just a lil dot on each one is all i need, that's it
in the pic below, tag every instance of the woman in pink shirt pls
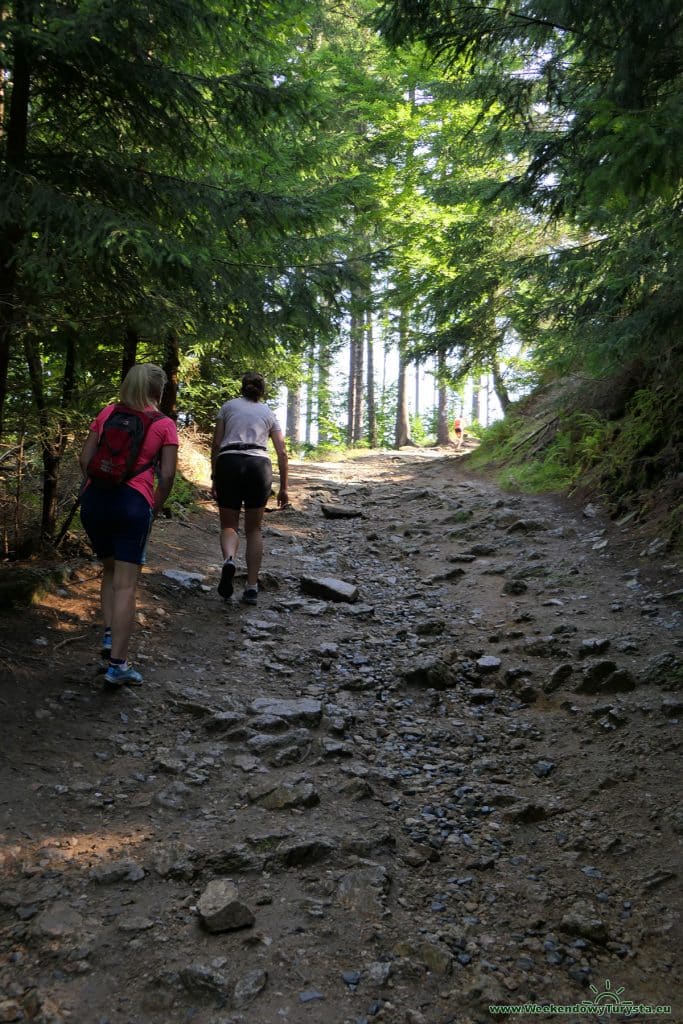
(118, 519)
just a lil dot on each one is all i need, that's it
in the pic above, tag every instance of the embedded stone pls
(285, 797)
(305, 711)
(117, 871)
(58, 920)
(329, 589)
(302, 852)
(431, 672)
(488, 664)
(199, 980)
(249, 987)
(605, 677)
(340, 512)
(482, 695)
(558, 676)
(583, 921)
(220, 908)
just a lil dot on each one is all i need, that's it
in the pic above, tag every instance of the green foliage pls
(421, 430)
(183, 496)
(249, 179)
(553, 472)
(645, 446)
(386, 416)
(494, 440)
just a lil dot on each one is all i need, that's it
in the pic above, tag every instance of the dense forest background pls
(485, 187)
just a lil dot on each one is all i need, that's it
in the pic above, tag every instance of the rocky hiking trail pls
(458, 786)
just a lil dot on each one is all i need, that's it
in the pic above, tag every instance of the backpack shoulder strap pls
(149, 418)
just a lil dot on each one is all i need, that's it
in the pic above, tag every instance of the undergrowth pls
(631, 461)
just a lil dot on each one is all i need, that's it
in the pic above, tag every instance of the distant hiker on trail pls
(242, 474)
(128, 443)
(459, 431)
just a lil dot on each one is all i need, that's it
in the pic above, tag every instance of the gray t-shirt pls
(247, 422)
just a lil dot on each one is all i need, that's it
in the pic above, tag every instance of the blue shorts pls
(118, 523)
(242, 480)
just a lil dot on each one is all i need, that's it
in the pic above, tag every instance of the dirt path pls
(461, 789)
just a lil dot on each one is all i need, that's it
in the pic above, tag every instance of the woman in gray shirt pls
(242, 475)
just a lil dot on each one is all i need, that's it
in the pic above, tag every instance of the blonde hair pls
(142, 386)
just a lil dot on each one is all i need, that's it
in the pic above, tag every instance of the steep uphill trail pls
(457, 791)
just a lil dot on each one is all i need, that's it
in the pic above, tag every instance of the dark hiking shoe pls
(227, 573)
(250, 595)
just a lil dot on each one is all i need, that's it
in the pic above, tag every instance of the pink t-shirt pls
(162, 431)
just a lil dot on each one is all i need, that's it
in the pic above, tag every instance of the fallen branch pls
(69, 639)
(539, 430)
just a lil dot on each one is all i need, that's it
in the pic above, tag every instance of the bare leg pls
(253, 517)
(107, 592)
(230, 521)
(123, 607)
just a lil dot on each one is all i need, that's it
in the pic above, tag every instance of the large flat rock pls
(303, 711)
(329, 589)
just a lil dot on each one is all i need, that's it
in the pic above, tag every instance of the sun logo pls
(608, 996)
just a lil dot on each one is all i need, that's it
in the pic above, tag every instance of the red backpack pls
(122, 437)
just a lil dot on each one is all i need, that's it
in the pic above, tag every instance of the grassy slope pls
(612, 441)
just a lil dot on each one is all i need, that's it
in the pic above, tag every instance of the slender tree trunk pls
(324, 409)
(442, 424)
(49, 455)
(351, 388)
(417, 388)
(169, 399)
(294, 415)
(15, 154)
(370, 392)
(383, 397)
(475, 400)
(359, 361)
(499, 386)
(402, 433)
(310, 392)
(130, 350)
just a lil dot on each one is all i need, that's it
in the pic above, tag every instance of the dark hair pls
(253, 386)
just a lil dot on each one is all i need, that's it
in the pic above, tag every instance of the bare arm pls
(167, 467)
(89, 449)
(218, 435)
(278, 439)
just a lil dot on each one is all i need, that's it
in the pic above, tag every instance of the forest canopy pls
(480, 187)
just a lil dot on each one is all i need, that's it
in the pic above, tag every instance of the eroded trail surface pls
(461, 789)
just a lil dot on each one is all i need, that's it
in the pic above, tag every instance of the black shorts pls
(242, 480)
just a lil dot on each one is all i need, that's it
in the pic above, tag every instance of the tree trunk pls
(417, 388)
(169, 399)
(130, 350)
(350, 391)
(402, 433)
(294, 415)
(324, 406)
(358, 410)
(49, 453)
(499, 386)
(370, 392)
(475, 401)
(15, 153)
(442, 424)
(310, 392)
